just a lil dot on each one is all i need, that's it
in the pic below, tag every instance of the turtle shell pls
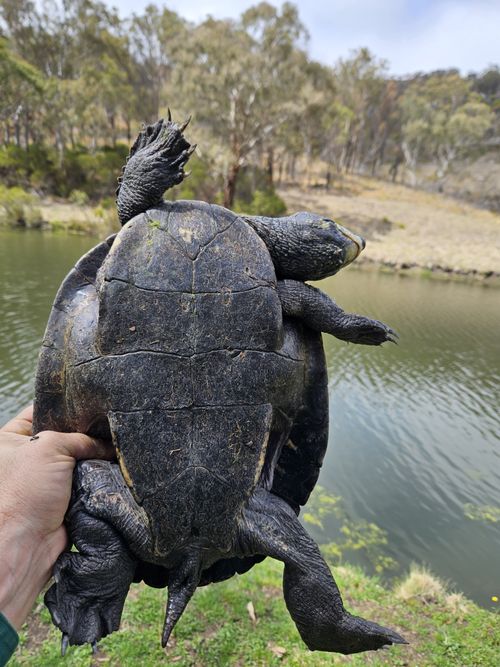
(176, 345)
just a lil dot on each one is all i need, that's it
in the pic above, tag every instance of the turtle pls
(191, 340)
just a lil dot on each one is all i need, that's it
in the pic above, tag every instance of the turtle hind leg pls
(91, 584)
(155, 164)
(87, 598)
(270, 527)
(320, 313)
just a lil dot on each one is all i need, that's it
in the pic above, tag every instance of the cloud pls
(413, 35)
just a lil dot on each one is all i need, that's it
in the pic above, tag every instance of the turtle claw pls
(392, 336)
(357, 634)
(64, 644)
(184, 125)
(365, 331)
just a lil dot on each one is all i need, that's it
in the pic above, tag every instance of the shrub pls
(255, 195)
(78, 197)
(42, 168)
(263, 202)
(18, 207)
(201, 184)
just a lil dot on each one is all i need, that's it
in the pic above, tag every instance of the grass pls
(217, 629)
(79, 218)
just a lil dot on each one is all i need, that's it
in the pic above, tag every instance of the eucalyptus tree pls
(20, 82)
(156, 38)
(241, 78)
(361, 81)
(441, 117)
(78, 48)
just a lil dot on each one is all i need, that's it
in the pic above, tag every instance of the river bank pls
(410, 231)
(244, 621)
(24, 210)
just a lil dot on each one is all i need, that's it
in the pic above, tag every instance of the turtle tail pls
(182, 583)
(155, 164)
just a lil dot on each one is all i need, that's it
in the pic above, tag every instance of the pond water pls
(415, 431)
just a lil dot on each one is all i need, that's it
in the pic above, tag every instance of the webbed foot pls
(365, 331)
(157, 158)
(87, 598)
(351, 634)
(270, 527)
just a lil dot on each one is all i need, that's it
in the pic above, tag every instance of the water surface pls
(415, 428)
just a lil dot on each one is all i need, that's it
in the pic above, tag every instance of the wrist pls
(26, 562)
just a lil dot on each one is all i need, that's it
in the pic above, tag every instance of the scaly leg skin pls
(87, 598)
(270, 527)
(321, 313)
(155, 164)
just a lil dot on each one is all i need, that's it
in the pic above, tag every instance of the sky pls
(413, 35)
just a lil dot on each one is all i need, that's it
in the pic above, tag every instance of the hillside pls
(407, 228)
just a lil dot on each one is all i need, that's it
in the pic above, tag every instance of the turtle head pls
(307, 246)
(328, 245)
(332, 235)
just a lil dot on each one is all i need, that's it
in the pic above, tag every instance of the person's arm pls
(35, 488)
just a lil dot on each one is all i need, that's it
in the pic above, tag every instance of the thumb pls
(78, 445)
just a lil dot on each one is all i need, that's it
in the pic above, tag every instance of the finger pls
(78, 445)
(22, 424)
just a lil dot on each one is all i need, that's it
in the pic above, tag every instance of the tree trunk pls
(328, 182)
(112, 127)
(230, 184)
(26, 132)
(280, 170)
(270, 165)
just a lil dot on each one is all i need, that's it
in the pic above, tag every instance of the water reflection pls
(415, 428)
(32, 265)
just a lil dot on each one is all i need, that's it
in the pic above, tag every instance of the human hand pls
(35, 488)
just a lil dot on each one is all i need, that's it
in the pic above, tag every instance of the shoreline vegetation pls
(409, 232)
(244, 621)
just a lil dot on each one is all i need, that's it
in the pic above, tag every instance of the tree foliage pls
(76, 78)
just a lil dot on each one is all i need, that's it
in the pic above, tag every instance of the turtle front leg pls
(270, 527)
(321, 313)
(91, 584)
